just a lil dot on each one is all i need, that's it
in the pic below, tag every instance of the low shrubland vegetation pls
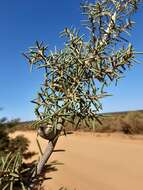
(129, 122)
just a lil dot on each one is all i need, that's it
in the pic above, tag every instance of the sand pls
(86, 161)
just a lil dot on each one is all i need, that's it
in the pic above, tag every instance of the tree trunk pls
(52, 137)
(47, 153)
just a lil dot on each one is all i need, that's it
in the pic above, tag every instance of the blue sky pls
(24, 22)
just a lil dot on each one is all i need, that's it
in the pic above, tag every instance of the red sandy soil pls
(86, 161)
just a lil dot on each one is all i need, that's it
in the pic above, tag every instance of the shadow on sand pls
(59, 150)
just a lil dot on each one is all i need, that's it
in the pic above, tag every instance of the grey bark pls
(47, 153)
(48, 133)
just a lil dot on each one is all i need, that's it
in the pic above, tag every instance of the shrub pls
(14, 175)
(132, 123)
(4, 140)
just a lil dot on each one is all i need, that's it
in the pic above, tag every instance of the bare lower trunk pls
(47, 153)
(52, 138)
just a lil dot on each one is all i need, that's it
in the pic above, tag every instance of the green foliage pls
(7, 144)
(8, 125)
(76, 76)
(4, 140)
(19, 143)
(12, 123)
(13, 174)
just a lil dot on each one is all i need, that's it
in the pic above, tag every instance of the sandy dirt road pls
(84, 161)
